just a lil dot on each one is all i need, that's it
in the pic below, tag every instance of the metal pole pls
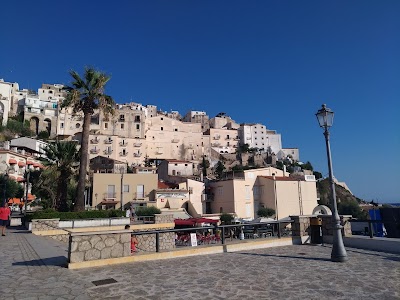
(157, 242)
(27, 189)
(3, 203)
(122, 188)
(338, 253)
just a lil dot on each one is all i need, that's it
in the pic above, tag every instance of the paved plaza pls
(32, 268)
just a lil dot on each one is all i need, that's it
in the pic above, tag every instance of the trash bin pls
(316, 230)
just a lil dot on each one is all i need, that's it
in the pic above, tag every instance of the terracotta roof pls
(21, 164)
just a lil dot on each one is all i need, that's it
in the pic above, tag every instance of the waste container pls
(316, 230)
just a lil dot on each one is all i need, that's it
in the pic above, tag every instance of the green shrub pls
(226, 218)
(88, 214)
(265, 212)
(147, 211)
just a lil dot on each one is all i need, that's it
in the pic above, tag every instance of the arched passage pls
(47, 125)
(34, 125)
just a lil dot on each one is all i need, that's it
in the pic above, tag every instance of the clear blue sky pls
(273, 62)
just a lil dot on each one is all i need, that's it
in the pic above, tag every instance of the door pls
(140, 191)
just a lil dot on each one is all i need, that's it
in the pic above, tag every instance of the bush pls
(88, 214)
(265, 212)
(147, 211)
(43, 135)
(226, 218)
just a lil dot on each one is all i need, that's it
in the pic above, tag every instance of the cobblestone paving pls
(290, 272)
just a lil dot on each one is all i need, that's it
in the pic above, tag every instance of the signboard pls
(193, 239)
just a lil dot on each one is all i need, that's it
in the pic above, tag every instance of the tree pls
(205, 164)
(307, 166)
(265, 212)
(62, 159)
(317, 175)
(43, 135)
(14, 190)
(226, 218)
(219, 169)
(86, 95)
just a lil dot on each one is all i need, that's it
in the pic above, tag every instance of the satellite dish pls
(322, 210)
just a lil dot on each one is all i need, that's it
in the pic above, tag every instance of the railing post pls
(109, 222)
(371, 233)
(279, 230)
(157, 242)
(73, 223)
(223, 236)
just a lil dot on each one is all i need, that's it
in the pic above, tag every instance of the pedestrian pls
(5, 214)
(134, 240)
(127, 213)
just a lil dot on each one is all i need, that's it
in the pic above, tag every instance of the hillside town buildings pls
(144, 139)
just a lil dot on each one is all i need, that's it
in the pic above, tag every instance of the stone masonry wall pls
(327, 225)
(301, 225)
(45, 224)
(64, 238)
(147, 242)
(99, 246)
(163, 219)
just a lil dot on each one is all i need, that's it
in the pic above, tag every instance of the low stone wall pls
(327, 225)
(94, 246)
(301, 226)
(45, 224)
(64, 238)
(163, 219)
(147, 242)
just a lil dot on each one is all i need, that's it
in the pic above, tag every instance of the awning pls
(105, 202)
(29, 162)
(20, 179)
(181, 222)
(15, 201)
(21, 164)
(12, 161)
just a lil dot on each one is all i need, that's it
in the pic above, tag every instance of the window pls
(77, 125)
(173, 172)
(122, 126)
(176, 129)
(247, 192)
(186, 165)
(137, 126)
(105, 125)
(162, 119)
(62, 125)
(162, 128)
(220, 191)
(126, 188)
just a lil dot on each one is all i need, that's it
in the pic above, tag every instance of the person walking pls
(5, 214)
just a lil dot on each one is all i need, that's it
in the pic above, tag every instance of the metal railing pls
(209, 235)
(372, 228)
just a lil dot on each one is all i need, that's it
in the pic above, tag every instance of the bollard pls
(279, 230)
(223, 236)
(371, 233)
(157, 242)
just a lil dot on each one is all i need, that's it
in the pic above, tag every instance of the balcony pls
(94, 151)
(236, 138)
(175, 140)
(94, 141)
(227, 138)
(215, 144)
(137, 144)
(123, 153)
(216, 137)
(109, 195)
(123, 144)
(140, 196)
(159, 151)
(194, 156)
(137, 154)
(107, 152)
(108, 141)
(121, 119)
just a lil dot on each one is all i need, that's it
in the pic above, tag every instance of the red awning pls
(104, 202)
(36, 165)
(21, 164)
(20, 179)
(29, 162)
(205, 220)
(12, 161)
(180, 222)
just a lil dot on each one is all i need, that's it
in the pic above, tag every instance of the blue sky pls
(273, 62)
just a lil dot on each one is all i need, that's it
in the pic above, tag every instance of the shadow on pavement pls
(59, 261)
(285, 256)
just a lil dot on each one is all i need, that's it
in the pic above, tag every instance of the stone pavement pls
(31, 268)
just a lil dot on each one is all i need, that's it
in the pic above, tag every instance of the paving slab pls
(32, 269)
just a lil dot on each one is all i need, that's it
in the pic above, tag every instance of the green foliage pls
(88, 214)
(15, 127)
(307, 166)
(219, 169)
(14, 190)
(244, 148)
(226, 219)
(265, 212)
(147, 211)
(317, 175)
(352, 208)
(205, 164)
(43, 135)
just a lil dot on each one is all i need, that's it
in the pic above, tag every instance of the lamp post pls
(5, 190)
(325, 120)
(122, 188)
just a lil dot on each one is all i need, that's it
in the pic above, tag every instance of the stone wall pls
(86, 247)
(147, 242)
(158, 219)
(301, 226)
(64, 238)
(45, 224)
(327, 225)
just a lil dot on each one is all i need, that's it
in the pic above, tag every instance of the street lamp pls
(3, 203)
(325, 120)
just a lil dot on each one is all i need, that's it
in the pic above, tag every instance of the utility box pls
(316, 230)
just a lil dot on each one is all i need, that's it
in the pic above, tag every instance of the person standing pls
(5, 214)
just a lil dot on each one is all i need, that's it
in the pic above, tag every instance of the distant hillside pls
(348, 204)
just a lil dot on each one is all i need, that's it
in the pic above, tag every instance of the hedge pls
(88, 214)
(147, 211)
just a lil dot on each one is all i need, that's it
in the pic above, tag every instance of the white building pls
(8, 92)
(258, 136)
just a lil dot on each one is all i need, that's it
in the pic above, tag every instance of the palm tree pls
(86, 95)
(62, 159)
